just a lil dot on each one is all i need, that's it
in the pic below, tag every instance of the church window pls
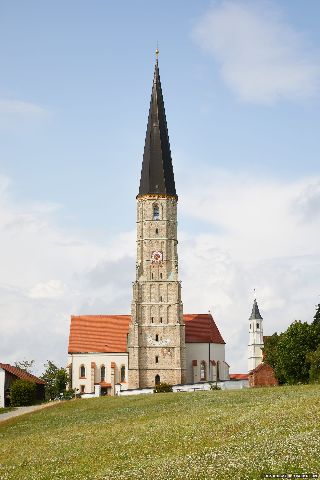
(82, 388)
(257, 325)
(157, 231)
(160, 275)
(160, 319)
(156, 212)
(157, 379)
(160, 298)
(203, 370)
(250, 326)
(157, 338)
(123, 373)
(82, 371)
(151, 319)
(102, 373)
(151, 275)
(157, 359)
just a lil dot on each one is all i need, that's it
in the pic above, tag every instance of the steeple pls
(255, 314)
(157, 172)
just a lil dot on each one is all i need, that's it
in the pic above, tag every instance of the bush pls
(23, 393)
(214, 386)
(163, 388)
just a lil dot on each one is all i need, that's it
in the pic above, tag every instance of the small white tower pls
(255, 337)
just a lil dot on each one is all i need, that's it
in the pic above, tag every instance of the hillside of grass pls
(202, 435)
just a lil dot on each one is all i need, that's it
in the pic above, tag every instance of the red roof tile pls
(201, 328)
(238, 376)
(108, 333)
(22, 374)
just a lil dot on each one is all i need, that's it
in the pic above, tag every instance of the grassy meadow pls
(202, 435)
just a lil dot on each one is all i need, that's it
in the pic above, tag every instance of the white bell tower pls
(255, 337)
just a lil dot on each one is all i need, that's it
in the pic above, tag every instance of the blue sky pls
(241, 87)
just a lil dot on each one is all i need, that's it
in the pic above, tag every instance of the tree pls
(26, 365)
(316, 318)
(314, 359)
(56, 380)
(22, 393)
(271, 354)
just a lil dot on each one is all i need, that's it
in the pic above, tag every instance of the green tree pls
(22, 393)
(294, 344)
(316, 318)
(26, 365)
(314, 359)
(271, 354)
(56, 380)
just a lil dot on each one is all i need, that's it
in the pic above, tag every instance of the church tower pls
(156, 341)
(255, 337)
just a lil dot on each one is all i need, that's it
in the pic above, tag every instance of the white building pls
(255, 337)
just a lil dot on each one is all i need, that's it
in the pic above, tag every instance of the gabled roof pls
(108, 333)
(22, 374)
(201, 328)
(157, 172)
(99, 333)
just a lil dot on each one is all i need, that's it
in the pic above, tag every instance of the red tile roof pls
(108, 333)
(238, 376)
(22, 374)
(201, 328)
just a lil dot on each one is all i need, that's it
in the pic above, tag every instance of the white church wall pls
(76, 360)
(200, 352)
(2, 382)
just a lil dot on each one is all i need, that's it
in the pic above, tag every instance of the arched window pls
(102, 373)
(151, 319)
(156, 212)
(123, 373)
(160, 275)
(257, 326)
(157, 231)
(203, 370)
(250, 326)
(157, 338)
(160, 319)
(157, 359)
(82, 371)
(157, 379)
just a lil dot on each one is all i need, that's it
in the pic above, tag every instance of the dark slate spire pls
(157, 171)
(255, 314)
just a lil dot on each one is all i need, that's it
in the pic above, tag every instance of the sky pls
(241, 84)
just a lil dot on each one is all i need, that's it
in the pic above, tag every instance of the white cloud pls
(20, 108)
(262, 58)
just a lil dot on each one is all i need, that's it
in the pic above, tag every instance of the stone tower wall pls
(156, 342)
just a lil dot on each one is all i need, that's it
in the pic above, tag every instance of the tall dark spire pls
(157, 172)
(255, 314)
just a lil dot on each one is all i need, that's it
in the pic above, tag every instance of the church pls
(157, 343)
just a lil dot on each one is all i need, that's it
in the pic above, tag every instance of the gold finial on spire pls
(157, 52)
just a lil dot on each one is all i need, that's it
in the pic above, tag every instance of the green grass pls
(7, 409)
(202, 435)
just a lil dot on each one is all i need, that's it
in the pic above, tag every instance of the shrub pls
(214, 386)
(22, 393)
(163, 388)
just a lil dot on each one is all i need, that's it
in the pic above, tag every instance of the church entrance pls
(157, 379)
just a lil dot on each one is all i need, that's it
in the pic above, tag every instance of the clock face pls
(156, 257)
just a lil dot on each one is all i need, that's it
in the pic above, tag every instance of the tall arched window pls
(102, 373)
(157, 379)
(156, 212)
(123, 373)
(82, 371)
(157, 337)
(203, 370)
